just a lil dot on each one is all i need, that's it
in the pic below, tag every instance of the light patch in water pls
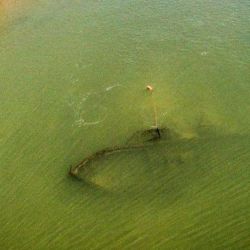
(111, 87)
(85, 106)
(81, 122)
(204, 53)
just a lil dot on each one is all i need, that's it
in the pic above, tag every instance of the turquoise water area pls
(72, 82)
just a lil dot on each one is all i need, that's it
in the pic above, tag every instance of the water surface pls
(73, 77)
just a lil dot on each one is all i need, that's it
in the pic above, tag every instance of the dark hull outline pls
(155, 134)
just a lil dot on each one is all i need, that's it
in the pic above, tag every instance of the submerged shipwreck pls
(145, 138)
(140, 139)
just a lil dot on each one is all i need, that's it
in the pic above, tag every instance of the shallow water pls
(73, 79)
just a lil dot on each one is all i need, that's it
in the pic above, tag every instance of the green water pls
(72, 81)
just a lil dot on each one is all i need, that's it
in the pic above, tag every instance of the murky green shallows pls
(72, 82)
